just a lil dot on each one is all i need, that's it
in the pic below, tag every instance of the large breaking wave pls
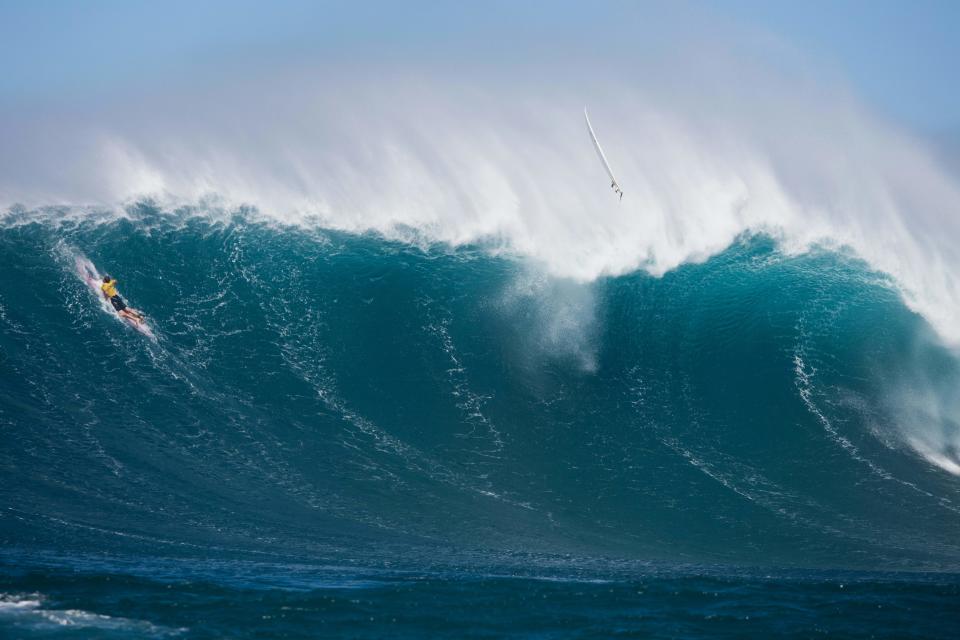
(317, 392)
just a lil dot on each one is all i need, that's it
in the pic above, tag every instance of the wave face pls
(322, 394)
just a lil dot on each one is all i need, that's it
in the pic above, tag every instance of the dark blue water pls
(339, 435)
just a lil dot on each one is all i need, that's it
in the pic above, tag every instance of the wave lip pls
(510, 163)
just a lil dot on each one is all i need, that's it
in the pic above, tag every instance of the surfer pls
(109, 288)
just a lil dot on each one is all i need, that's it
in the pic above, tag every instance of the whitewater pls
(496, 159)
(413, 349)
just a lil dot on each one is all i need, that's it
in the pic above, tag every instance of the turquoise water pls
(345, 435)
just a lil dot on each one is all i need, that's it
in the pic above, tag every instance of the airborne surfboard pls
(603, 158)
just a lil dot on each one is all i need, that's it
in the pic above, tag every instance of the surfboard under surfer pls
(109, 289)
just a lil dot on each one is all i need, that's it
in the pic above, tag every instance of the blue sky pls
(900, 57)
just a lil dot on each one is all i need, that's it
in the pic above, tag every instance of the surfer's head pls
(106, 278)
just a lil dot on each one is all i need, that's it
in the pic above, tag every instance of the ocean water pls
(341, 434)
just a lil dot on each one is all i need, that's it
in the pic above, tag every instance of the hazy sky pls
(899, 57)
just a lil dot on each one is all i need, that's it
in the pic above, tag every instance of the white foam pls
(927, 419)
(511, 161)
(19, 601)
(936, 457)
(27, 610)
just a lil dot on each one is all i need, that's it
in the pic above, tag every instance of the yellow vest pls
(109, 288)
